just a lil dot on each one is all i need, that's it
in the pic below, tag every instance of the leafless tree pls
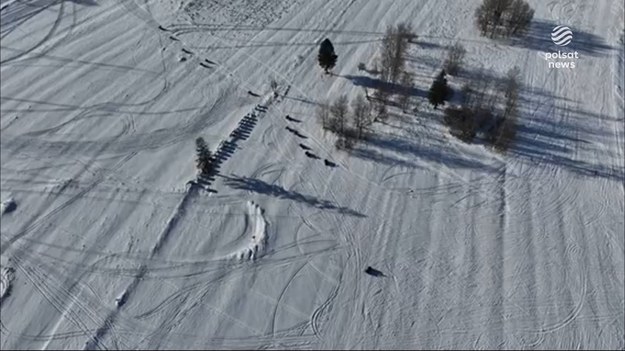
(323, 113)
(510, 88)
(393, 53)
(405, 97)
(339, 111)
(503, 17)
(455, 55)
(518, 17)
(361, 113)
(378, 102)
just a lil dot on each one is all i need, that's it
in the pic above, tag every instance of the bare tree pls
(405, 97)
(339, 110)
(455, 56)
(378, 102)
(503, 17)
(511, 92)
(393, 53)
(489, 14)
(518, 17)
(323, 113)
(361, 113)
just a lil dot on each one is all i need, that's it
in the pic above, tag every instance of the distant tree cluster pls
(394, 52)
(503, 17)
(348, 124)
(390, 67)
(488, 107)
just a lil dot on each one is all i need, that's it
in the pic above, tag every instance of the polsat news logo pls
(561, 36)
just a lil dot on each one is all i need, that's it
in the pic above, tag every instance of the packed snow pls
(117, 243)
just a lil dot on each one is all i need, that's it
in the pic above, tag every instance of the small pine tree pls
(439, 91)
(327, 57)
(203, 160)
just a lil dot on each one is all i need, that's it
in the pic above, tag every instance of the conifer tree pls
(203, 160)
(327, 57)
(439, 91)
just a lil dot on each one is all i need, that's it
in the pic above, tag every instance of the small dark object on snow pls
(187, 51)
(163, 28)
(209, 61)
(252, 93)
(9, 206)
(204, 65)
(173, 38)
(304, 147)
(329, 163)
(311, 155)
(297, 133)
(374, 272)
(289, 118)
(121, 300)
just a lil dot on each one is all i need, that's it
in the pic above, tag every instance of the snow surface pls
(117, 245)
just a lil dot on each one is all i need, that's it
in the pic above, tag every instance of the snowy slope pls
(110, 246)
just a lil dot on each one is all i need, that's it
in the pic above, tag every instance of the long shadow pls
(538, 37)
(555, 143)
(375, 83)
(281, 44)
(376, 156)
(432, 154)
(240, 28)
(261, 187)
(478, 75)
(552, 136)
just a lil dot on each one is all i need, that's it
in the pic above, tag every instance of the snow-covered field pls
(107, 245)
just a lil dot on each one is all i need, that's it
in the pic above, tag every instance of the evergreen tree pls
(327, 57)
(203, 160)
(439, 91)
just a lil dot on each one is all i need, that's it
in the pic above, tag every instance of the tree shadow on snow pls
(375, 83)
(538, 37)
(261, 187)
(557, 142)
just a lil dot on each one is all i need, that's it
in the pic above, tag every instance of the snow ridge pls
(256, 245)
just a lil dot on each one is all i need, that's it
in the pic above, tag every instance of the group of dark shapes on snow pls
(307, 149)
